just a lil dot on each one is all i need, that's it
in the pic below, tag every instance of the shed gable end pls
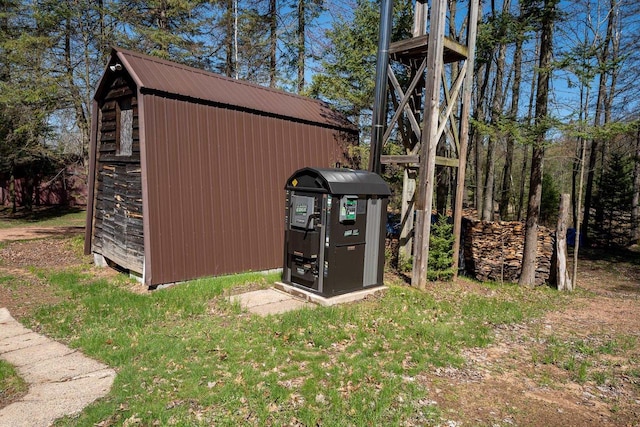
(118, 228)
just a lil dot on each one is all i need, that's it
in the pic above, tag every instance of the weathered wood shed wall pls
(188, 167)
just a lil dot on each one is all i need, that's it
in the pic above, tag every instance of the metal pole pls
(380, 95)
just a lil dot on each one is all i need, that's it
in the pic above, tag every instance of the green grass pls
(9, 281)
(11, 384)
(584, 360)
(43, 217)
(186, 356)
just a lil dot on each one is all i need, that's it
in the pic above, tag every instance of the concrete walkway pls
(61, 381)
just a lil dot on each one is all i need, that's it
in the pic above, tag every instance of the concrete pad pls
(260, 297)
(327, 302)
(30, 339)
(286, 298)
(35, 354)
(279, 307)
(268, 301)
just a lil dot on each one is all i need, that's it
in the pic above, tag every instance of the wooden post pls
(420, 18)
(563, 278)
(424, 200)
(406, 232)
(409, 176)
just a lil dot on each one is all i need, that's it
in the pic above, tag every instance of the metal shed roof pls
(153, 74)
(339, 181)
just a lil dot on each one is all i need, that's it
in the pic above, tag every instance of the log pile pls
(493, 250)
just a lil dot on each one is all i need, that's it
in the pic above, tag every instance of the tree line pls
(586, 143)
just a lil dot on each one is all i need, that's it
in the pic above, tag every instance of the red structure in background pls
(67, 188)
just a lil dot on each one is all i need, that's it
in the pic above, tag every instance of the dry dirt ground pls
(577, 367)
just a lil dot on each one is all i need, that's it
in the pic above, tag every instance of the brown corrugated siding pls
(215, 185)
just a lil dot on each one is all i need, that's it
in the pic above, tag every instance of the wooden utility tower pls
(430, 117)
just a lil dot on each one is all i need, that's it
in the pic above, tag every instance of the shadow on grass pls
(69, 231)
(611, 254)
(619, 268)
(37, 213)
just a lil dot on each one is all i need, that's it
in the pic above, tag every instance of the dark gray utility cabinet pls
(334, 230)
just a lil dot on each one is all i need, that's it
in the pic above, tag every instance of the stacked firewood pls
(493, 250)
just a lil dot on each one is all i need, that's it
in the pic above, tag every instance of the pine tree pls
(170, 29)
(549, 201)
(29, 92)
(615, 194)
(441, 250)
(348, 64)
(346, 78)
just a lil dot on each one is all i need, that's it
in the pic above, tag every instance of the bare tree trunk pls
(480, 116)
(496, 113)
(85, 105)
(229, 65)
(162, 21)
(76, 95)
(578, 224)
(301, 43)
(578, 164)
(505, 193)
(612, 71)
(529, 256)
(12, 190)
(528, 275)
(560, 270)
(597, 122)
(574, 180)
(635, 203)
(487, 203)
(273, 41)
(103, 38)
(523, 172)
(579, 167)
(591, 171)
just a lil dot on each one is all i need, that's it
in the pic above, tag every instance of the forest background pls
(52, 54)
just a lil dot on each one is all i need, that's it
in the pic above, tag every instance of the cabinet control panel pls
(302, 212)
(348, 208)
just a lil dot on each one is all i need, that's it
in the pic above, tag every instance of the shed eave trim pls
(130, 69)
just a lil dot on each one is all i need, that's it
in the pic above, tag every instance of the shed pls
(186, 168)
